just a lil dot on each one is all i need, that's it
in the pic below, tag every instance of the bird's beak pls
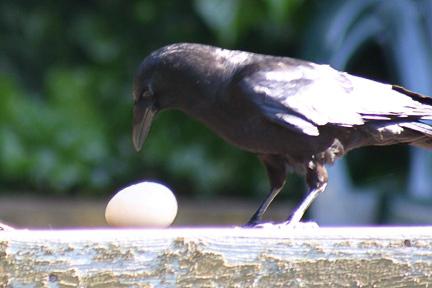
(143, 114)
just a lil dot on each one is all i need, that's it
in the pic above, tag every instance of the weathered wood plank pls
(327, 257)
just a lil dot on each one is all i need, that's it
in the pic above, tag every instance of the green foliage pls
(56, 143)
(65, 85)
(236, 17)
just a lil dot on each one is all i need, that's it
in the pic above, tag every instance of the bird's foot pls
(4, 227)
(283, 225)
(256, 224)
(298, 225)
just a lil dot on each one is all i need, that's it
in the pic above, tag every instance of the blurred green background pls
(66, 70)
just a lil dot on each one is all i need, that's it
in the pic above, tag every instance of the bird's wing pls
(311, 95)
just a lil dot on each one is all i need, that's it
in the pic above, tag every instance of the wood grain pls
(322, 257)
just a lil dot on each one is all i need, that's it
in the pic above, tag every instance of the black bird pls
(294, 115)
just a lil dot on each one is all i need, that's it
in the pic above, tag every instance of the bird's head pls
(182, 76)
(162, 81)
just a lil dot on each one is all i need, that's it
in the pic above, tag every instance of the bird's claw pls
(283, 225)
(4, 227)
(298, 225)
(257, 224)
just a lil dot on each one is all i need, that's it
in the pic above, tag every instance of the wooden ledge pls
(328, 257)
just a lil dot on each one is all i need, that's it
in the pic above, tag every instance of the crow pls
(294, 115)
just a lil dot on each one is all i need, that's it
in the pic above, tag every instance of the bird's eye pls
(146, 94)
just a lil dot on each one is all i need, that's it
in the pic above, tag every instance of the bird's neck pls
(198, 79)
(196, 90)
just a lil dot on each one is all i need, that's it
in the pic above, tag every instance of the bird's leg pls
(316, 179)
(257, 216)
(276, 171)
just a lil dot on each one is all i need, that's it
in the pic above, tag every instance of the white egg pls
(146, 204)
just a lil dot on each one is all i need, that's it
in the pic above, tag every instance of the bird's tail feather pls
(424, 130)
(411, 132)
(415, 96)
(423, 125)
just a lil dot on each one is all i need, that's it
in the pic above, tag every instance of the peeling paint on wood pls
(328, 257)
